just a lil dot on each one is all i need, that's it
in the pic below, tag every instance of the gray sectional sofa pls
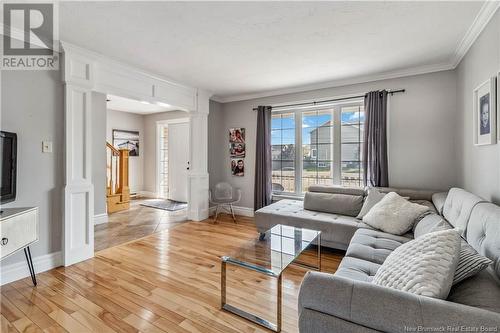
(347, 301)
(337, 229)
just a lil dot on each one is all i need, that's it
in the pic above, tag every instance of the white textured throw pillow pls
(423, 266)
(372, 198)
(394, 214)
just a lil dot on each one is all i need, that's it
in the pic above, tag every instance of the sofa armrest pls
(385, 309)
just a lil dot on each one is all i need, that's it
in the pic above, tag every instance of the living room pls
(296, 160)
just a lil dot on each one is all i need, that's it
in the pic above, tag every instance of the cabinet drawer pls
(18, 231)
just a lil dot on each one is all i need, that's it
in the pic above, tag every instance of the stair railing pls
(113, 155)
(118, 191)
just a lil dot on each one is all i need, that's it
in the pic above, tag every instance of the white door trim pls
(85, 71)
(159, 124)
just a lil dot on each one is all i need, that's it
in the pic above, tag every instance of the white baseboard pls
(242, 211)
(19, 270)
(100, 219)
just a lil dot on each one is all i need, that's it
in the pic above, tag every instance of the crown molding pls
(217, 99)
(339, 83)
(485, 14)
(482, 19)
(106, 60)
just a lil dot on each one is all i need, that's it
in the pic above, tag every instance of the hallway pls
(134, 223)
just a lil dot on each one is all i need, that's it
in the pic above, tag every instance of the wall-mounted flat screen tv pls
(8, 152)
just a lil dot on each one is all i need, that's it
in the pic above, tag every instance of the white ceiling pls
(247, 48)
(118, 103)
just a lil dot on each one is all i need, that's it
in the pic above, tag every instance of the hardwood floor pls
(166, 282)
(134, 223)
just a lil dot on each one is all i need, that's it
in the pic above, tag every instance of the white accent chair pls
(224, 196)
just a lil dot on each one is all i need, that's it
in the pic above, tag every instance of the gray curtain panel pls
(263, 181)
(375, 165)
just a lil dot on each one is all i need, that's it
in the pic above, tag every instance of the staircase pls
(117, 191)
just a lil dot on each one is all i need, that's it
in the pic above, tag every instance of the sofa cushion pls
(373, 245)
(409, 193)
(337, 230)
(483, 232)
(357, 269)
(336, 189)
(430, 222)
(458, 207)
(394, 214)
(480, 291)
(344, 204)
(438, 199)
(423, 266)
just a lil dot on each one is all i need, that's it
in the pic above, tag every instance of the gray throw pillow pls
(373, 197)
(470, 263)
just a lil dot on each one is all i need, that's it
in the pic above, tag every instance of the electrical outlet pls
(46, 146)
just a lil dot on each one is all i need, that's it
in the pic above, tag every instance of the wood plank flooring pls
(166, 282)
(134, 223)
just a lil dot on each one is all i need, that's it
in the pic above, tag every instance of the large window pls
(317, 146)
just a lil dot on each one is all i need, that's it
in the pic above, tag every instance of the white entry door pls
(178, 161)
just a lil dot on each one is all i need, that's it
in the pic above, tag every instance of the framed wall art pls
(485, 113)
(126, 139)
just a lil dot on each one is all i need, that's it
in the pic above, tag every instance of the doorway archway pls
(84, 72)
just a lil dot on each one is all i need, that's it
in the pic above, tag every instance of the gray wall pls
(422, 130)
(150, 143)
(99, 152)
(479, 165)
(32, 107)
(131, 122)
(217, 143)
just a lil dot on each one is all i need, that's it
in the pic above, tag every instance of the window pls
(163, 161)
(352, 136)
(283, 150)
(317, 146)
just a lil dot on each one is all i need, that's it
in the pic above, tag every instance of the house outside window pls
(318, 146)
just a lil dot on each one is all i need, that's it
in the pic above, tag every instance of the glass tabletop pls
(271, 255)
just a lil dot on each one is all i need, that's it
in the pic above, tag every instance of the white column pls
(198, 172)
(78, 228)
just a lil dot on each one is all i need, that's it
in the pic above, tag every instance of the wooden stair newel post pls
(123, 188)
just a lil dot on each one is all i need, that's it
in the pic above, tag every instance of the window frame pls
(336, 161)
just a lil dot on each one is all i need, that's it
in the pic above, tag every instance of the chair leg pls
(216, 213)
(232, 212)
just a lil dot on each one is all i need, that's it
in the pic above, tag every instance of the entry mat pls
(165, 204)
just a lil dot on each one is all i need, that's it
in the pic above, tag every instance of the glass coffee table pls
(270, 255)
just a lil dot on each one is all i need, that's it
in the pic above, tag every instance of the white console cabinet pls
(18, 230)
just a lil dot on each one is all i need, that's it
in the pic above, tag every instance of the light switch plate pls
(46, 146)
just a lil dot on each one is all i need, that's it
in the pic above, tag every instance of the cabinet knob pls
(4, 241)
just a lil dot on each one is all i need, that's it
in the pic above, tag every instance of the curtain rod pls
(313, 103)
